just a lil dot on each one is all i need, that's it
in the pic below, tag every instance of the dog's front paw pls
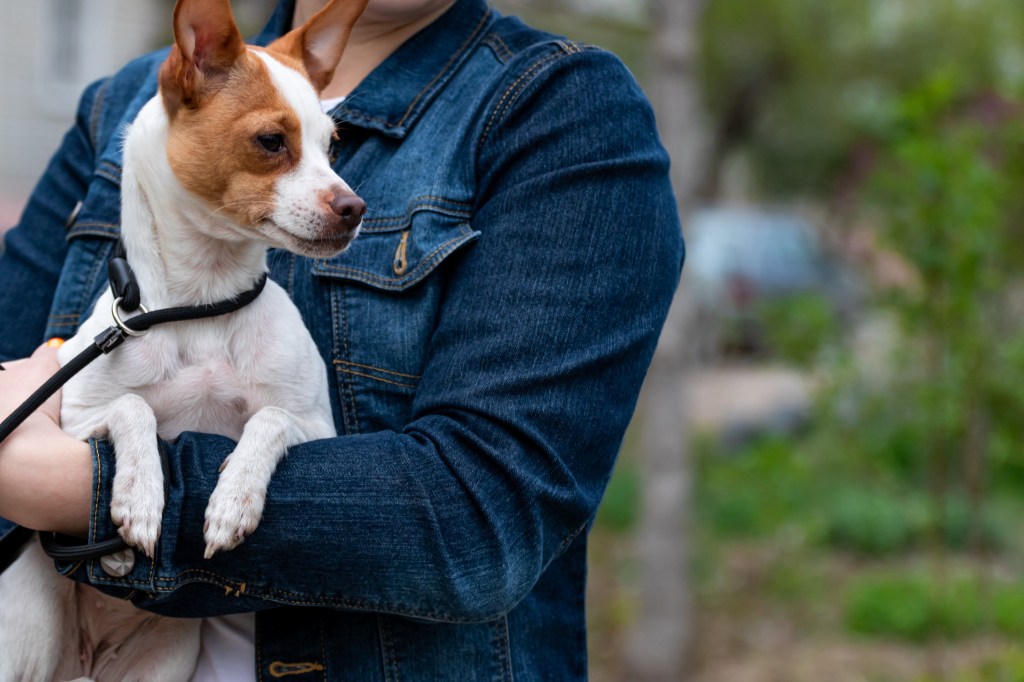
(137, 507)
(233, 513)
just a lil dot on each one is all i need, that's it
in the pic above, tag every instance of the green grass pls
(756, 492)
(777, 485)
(921, 606)
(913, 606)
(876, 521)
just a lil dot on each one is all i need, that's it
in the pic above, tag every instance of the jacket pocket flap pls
(100, 215)
(399, 257)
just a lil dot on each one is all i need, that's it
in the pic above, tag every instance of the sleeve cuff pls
(121, 574)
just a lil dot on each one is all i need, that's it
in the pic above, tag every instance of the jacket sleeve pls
(547, 328)
(35, 248)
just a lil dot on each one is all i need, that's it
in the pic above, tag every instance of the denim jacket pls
(486, 337)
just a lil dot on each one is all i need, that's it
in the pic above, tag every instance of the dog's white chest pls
(207, 395)
(194, 376)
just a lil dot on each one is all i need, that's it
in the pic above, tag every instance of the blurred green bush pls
(913, 606)
(799, 327)
(919, 605)
(877, 522)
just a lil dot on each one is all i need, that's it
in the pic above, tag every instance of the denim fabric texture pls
(486, 335)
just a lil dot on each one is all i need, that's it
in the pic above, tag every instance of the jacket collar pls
(394, 96)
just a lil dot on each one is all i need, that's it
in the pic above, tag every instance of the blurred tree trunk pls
(659, 643)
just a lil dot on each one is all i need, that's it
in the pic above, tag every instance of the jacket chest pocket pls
(385, 295)
(474, 652)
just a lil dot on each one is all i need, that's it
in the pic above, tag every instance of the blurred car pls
(741, 262)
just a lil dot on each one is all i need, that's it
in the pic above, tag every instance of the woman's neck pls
(374, 37)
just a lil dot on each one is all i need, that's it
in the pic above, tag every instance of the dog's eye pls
(334, 148)
(272, 143)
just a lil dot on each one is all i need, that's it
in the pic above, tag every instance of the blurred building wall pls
(49, 51)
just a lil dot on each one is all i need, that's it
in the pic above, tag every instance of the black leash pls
(127, 297)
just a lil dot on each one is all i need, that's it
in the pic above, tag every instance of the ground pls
(775, 583)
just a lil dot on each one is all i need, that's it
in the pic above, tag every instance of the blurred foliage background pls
(856, 453)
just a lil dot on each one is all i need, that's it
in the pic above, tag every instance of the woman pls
(488, 333)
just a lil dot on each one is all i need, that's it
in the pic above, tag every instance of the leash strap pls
(122, 282)
(114, 336)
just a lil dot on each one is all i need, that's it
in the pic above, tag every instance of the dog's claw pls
(137, 515)
(231, 516)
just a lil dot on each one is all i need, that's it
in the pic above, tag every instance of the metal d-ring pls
(120, 323)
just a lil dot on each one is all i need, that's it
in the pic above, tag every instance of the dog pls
(229, 159)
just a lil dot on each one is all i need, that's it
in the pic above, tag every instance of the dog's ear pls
(207, 44)
(319, 42)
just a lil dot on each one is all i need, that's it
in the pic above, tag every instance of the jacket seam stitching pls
(380, 379)
(337, 302)
(528, 74)
(499, 640)
(90, 282)
(570, 46)
(112, 168)
(569, 539)
(523, 83)
(98, 463)
(354, 427)
(351, 115)
(291, 275)
(96, 491)
(458, 54)
(401, 220)
(112, 226)
(397, 284)
(91, 233)
(379, 369)
(499, 47)
(337, 350)
(94, 123)
(297, 599)
(388, 645)
(107, 175)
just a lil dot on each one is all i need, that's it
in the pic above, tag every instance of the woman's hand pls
(45, 476)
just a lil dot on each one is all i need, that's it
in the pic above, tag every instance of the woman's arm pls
(45, 477)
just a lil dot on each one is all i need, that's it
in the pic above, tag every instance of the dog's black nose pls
(349, 208)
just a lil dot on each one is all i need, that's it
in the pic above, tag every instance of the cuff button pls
(118, 564)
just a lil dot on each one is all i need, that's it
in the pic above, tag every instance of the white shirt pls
(328, 104)
(227, 649)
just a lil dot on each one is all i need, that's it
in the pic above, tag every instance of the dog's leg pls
(137, 500)
(236, 504)
(37, 618)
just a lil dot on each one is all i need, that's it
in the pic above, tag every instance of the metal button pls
(74, 215)
(118, 564)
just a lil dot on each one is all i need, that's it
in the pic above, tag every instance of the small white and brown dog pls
(230, 158)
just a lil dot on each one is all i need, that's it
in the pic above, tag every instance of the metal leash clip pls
(121, 323)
